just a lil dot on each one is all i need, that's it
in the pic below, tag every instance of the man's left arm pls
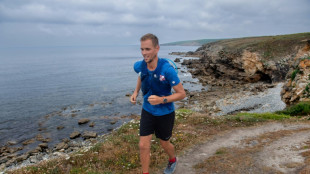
(178, 95)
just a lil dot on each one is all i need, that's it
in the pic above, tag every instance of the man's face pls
(149, 52)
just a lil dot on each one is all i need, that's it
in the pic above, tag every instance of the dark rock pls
(177, 60)
(3, 159)
(22, 158)
(43, 145)
(83, 121)
(75, 134)
(26, 142)
(46, 140)
(92, 124)
(60, 127)
(39, 137)
(61, 145)
(113, 122)
(89, 134)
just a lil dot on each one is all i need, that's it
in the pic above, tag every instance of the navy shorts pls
(160, 125)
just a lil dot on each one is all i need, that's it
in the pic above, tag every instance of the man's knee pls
(145, 143)
(165, 144)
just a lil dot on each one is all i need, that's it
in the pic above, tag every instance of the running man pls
(156, 79)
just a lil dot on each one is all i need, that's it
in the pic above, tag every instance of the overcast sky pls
(110, 22)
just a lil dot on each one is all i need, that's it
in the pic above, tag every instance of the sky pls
(123, 22)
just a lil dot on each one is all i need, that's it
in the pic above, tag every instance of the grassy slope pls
(270, 47)
(190, 42)
(120, 153)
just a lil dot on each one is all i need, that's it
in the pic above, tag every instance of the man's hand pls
(133, 98)
(155, 100)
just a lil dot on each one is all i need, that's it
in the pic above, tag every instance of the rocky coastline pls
(230, 70)
(239, 68)
(13, 155)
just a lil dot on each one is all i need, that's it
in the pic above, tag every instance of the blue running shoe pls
(170, 167)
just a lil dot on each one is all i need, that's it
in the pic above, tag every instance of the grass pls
(294, 73)
(300, 109)
(119, 153)
(270, 47)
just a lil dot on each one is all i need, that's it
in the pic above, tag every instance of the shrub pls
(300, 109)
(294, 73)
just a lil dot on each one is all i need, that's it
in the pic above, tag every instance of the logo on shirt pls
(162, 78)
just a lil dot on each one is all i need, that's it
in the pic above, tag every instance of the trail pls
(279, 153)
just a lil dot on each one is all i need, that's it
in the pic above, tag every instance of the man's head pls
(151, 37)
(149, 47)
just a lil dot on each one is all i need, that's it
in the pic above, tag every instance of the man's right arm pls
(133, 98)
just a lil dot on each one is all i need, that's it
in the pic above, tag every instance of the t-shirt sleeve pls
(172, 76)
(137, 67)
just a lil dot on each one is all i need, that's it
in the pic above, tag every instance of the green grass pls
(294, 73)
(300, 109)
(257, 117)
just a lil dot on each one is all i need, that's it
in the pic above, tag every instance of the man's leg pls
(168, 148)
(145, 150)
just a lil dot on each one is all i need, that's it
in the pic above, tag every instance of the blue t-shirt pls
(167, 77)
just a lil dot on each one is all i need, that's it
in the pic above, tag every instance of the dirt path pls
(273, 148)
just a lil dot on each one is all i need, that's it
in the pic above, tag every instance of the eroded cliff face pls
(240, 61)
(297, 85)
(218, 66)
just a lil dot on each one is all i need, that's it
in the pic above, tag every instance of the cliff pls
(297, 85)
(235, 62)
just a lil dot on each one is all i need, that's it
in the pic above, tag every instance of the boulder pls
(89, 134)
(92, 124)
(75, 134)
(83, 121)
(61, 145)
(43, 145)
(177, 60)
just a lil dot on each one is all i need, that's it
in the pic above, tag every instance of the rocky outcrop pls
(246, 60)
(297, 86)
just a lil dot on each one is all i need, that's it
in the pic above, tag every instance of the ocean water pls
(46, 90)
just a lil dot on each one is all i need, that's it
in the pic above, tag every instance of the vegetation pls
(119, 153)
(300, 109)
(270, 47)
(294, 73)
(191, 42)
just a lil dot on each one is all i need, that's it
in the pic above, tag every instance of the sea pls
(44, 91)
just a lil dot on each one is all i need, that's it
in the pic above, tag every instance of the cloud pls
(177, 20)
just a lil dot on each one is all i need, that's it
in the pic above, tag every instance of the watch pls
(165, 100)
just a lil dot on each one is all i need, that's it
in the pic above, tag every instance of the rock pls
(75, 134)
(83, 121)
(61, 145)
(34, 151)
(92, 124)
(26, 142)
(177, 60)
(297, 87)
(60, 127)
(46, 140)
(113, 122)
(11, 143)
(89, 134)
(39, 137)
(33, 159)
(3, 159)
(22, 158)
(43, 145)
(186, 62)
